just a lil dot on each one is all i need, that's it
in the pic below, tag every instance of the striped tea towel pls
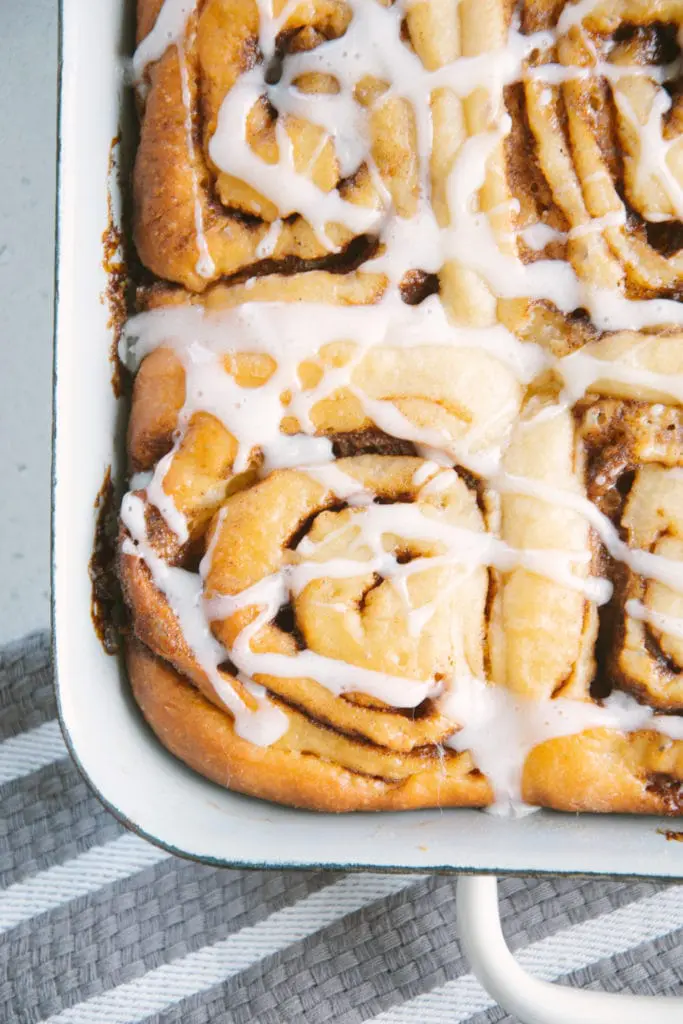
(98, 926)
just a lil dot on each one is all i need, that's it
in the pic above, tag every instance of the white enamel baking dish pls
(136, 778)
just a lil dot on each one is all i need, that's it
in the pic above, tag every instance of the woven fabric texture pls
(96, 925)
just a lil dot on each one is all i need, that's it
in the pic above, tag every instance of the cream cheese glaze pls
(498, 727)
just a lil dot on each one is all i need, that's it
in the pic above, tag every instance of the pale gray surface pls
(28, 87)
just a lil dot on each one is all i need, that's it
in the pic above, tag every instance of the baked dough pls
(410, 529)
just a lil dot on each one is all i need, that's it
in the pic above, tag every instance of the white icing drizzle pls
(271, 25)
(266, 246)
(425, 472)
(205, 266)
(169, 29)
(139, 481)
(277, 328)
(439, 482)
(581, 371)
(670, 625)
(538, 236)
(300, 450)
(340, 484)
(615, 219)
(499, 728)
(155, 493)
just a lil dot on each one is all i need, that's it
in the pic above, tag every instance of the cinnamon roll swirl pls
(240, 164)
(599, 110)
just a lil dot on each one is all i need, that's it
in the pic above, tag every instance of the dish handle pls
(532, 1000)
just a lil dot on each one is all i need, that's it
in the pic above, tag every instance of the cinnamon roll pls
(404, 523)
(240, 164)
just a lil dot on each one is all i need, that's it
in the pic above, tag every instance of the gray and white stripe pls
(20, 755)
(96, 925)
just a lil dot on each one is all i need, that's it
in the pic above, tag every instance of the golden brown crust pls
(202, 736)
(638, 773)
(158, 397)
(597, 771)
(147, 13)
